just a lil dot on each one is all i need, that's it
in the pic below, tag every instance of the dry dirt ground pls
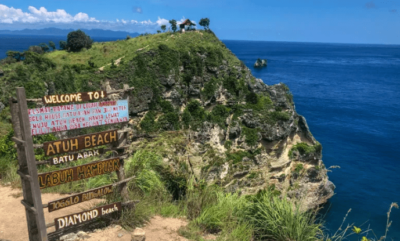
(13, 221)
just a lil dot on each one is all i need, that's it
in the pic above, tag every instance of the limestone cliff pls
(213, 119)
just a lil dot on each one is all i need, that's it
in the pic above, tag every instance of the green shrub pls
(77, 40)
(278, 115)
(148, 124)
(186, 118)
(252, 98)
(274, 218)
(218, 115)
(237, 156)
(303, 148)
(251, 136)
(298, 168)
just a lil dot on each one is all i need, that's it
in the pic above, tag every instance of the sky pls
(331, 21)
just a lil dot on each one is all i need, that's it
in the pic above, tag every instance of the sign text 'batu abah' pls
(74, 157)
(80, 142)
(55, 178)
(81, 217)
(76, 97)
(50, 119)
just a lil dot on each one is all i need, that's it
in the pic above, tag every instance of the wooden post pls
(27, 168)
(123, 141)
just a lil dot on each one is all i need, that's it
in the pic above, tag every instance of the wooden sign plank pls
(55, 178)
(80, 142)
(76, 156)
(77, 218)
(76, 97)
(77, 116)
(79, 198)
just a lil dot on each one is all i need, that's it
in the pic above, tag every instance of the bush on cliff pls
(77, 40)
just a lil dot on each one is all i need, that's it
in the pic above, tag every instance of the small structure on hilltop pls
(188, 24)
(260, 63)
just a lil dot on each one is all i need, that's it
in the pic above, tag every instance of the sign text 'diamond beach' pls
(55, 178)
(76, 116)
(81, 217)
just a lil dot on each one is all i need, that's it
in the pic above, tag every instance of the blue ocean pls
(350, 96)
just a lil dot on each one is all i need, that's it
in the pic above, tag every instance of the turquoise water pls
(350, 97)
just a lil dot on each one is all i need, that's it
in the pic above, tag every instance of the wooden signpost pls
(74, 114)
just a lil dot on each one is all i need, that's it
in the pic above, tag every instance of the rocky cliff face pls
(242, 134)
(213, 119)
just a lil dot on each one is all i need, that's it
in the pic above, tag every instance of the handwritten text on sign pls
(69, 117)
(79, 198)
(77, 97)
(55, 178)
(78, 218)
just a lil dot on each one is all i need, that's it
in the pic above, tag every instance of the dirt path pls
(13, 221)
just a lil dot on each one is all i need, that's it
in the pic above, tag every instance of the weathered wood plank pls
(79, 143)
(78, 218)
(28, 167)
(66, 175)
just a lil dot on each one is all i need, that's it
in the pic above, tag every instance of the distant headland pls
(64, 32)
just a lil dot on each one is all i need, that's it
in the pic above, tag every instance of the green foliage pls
(218, 115)
(235, 86)
(145, 166)
(251, 136)
(263, 104)
(173, 24)
(52, 45)
(197, 114)
(18, 56)
(214, 57)
(36, 49)
(163, 27)
(298, 168)
(228, 208)
(44, 47)
(169, 121)
(274, 218)
(209, 88)
(237, 156)
(279, 115)
(77, 40)
(228, 144)
(63, 45)
(252, 98)
(305, 149)
(38, 61)
(166, 60)
(166, 106)
(186, 118)
(148, 124)
(205, 22)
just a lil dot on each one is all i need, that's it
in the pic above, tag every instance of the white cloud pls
(162, 21)
(13, 15)
(14, 19)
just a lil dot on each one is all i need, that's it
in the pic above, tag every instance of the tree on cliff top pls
(163, 27)
(77, 40)
(173, 24)
(205, 22)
